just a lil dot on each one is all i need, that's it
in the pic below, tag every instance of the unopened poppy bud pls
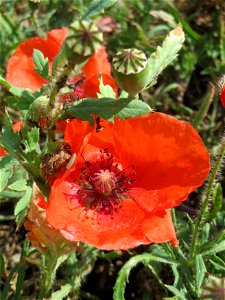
(38, 108)
(82, 41)
(130, 68)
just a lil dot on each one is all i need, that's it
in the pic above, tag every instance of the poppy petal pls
(128, 228)
(20, 68)
(77, 134)
(97, 64)
(169, 157)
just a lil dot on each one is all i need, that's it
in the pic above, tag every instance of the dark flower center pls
(103, 185)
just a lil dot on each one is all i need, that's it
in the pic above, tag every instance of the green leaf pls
(215, 245)
(22, 205)
(59, 60)
(41, 64)
(9, 138)
(2, 265)
(19, 185)
(23, 97)
(106, 91)
(122, 278)
(96, 7)
(200, 272)
(31, 140)
(205, 103)
(6, 170)
(107, 109)
(6, 290)
(218, 263)
(217, 202)
(193, 34)
(164, 55)
(21, 272)
(176, 292)
(62, 293)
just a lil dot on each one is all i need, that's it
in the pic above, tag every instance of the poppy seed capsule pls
(130, 69)
(82, 41)
(38, 108)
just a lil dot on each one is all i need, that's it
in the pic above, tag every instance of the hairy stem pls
(207, 197)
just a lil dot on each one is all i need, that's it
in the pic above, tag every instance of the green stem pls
(48, 277)
(207, 197)
(61, 75)
(34, 171)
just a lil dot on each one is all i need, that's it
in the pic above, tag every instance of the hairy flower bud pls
(130, 68)
(82, 41)
(38, 108)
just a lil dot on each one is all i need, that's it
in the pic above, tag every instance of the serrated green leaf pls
(6, 170)
(200, 271)
(106, 91)
(41, 64)
(10, 194)
(22, 205)
(164, 55)
(23, 97)
(31, 140)
(9, 138)
(122, 278)
(62, 293)
(96, 7)
(215, 245)
(220, 266)
(59, 60)
(205, 232)
(5, 83)
(107, 109)
(176, 292)
(19, 185)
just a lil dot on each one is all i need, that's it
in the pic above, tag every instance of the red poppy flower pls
(97, 65)
(118, 193)
(20, 68)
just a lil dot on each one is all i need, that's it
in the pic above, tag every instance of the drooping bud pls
(38, 108)
(83, 39)
(130, 68)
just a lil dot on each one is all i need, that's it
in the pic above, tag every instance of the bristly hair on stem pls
(217, 164)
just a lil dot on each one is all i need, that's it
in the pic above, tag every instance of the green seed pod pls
(83, 39)
(130, 69)
(38, 108)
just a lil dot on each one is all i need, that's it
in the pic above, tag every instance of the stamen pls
(103, 185)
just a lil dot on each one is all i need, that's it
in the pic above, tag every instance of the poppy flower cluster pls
(119, 191)
(20, 68)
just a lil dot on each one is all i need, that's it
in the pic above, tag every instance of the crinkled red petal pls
(20, 68)
(127, 228)
(170, 161)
